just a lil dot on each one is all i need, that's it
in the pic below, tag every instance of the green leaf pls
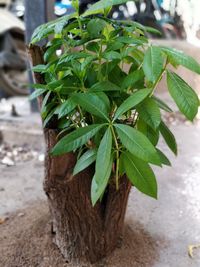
(37, 93)
(179, 58)
(93, 46)
(152, 30)
(98, 190)
(122, 170)
(103, 156)
(75, 4)
(138, 55)
(64, 124)
(130, 40)
(44, 102)
(168, 137)
(56, 44)
(65, 58)
(137, 143)
(105, 86)
(114, 46)
(46, 29)
(132, 78)
(48, 117)
(101, 5)
(153, 63)
(87, 62)
(131, 102)
(95, 27)
(47, 109)
(39, 68)
(134, 24)
(162, 104)
(107, 31)
(184, 96)
(85, 160)
(37, 85)
(116, 75)
(42, 32)
(163, 158)
(111, 55)
(65, 108)
(140, 174)
(75, 139)
(102, 168)
(150, 113)
(151, 134)
(105, 99)
(92, 103)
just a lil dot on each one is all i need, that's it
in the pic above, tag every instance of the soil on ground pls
(26, 242)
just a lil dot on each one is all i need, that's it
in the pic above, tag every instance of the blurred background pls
(172, 223)
(175, 19)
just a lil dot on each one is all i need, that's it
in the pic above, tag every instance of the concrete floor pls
(174, 219)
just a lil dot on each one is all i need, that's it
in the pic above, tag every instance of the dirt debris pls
(26, 242)
(12, 154)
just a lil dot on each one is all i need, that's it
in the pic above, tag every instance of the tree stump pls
(83, 233)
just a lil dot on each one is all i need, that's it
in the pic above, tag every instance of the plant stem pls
(81, 114)
(134, 117)
(159, 78)
(59, 97)
(117, 157)
(117, 169)
(74, 123)
(81, 29)
(82, 85)
(99, 71)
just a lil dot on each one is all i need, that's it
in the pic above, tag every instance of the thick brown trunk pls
(36, 58)
(82, 233)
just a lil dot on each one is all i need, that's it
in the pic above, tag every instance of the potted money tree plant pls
(96, 81)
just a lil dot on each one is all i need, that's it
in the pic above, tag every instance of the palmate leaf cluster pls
(101, 76)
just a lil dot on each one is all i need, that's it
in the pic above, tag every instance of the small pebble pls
(7, 161)
(12, 154)
(3, 220)
(41, 157)
(21, 214)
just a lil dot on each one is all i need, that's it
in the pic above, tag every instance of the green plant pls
(100, 92)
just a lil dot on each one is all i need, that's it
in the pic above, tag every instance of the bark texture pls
(36, 57)
(82, 233)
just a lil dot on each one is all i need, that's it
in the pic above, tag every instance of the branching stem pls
(159, 78)
(117, 157)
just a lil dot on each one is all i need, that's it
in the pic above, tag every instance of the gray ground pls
(157, 233)
(171, 223)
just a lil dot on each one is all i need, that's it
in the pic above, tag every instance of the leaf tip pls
(175, 151)
(93, 202)
(156, 196)
(53, 152)
(75, 172)
(93, 199)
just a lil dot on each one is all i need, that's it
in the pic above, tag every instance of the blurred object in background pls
(175, 19)
(162, 17)
(190, 11)
(13, 76)
(63, 7)
(17, 8)
(83, 4)
(160, 14)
